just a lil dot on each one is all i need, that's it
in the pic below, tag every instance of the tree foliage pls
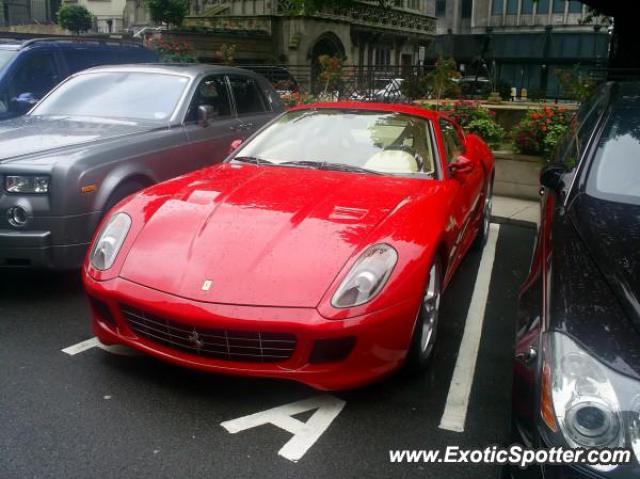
(442, 79)
(171, 12)
(75, 18)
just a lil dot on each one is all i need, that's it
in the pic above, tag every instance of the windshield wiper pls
(345, 167)
(252, 159)
(309, 163)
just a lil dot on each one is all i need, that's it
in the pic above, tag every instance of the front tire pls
(426, 329)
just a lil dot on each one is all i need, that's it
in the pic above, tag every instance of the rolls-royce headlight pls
(108, 244)
(367, 276)
(595, 406)
(26, 184)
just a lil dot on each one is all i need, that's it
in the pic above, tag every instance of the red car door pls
(466, 178)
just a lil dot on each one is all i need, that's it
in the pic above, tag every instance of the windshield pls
(364, 141)
(615, 174)
(126, 95)
(5, 57)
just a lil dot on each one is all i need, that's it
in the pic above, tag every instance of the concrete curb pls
(504, 220)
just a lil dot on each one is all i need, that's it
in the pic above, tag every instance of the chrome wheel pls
(429, 313)
(488, 205)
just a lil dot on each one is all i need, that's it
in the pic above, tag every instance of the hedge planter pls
(517, 176)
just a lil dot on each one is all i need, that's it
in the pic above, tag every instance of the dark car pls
(577, 366)
(30, 69)
(107, 132)
(281, 79)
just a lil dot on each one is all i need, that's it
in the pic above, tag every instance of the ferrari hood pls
(268, 236)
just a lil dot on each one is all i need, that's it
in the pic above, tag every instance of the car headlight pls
(367, 276)
(108, 244)
(595, 406)
(26, 184)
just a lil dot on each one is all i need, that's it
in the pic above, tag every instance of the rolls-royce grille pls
(225, 344)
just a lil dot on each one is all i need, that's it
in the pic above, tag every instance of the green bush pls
(475, 119)
(553, 137)
(171, 12)
(488, 130)
(530, 134)
(75, 18)
(173, 51)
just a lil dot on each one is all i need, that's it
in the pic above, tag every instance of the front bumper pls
(381, 338)
(47, 242)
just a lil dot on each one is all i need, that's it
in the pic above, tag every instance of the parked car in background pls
(385, 90)
(318, 252)
(474, 87)
(107, 132)
(577, 366)
(30, 69)
(281, 79)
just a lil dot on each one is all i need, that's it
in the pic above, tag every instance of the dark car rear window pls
(615, 173)
(81, 58)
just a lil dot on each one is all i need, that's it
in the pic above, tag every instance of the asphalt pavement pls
(97, 413)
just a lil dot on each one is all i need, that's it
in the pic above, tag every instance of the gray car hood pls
(25, 137)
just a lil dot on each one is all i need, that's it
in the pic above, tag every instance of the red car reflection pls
(317, 252)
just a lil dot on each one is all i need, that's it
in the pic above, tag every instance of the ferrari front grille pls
(222, 344)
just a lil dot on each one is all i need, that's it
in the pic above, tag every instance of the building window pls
(413, 4)
(543, 7)
(575, 7)
(467, 7)
(527, 7)
(512, 7)
(497, 7)
(558, 6)
(441, 8)
(383, 56)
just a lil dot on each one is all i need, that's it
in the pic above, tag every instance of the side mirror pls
(205, 114)
(23, 103)
(551, 177)
(235, 144)
(461, 166)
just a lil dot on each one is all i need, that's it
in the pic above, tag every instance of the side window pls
(212, 91)
(37, 74)
(452, 141)
(248, 95)
(570, 148)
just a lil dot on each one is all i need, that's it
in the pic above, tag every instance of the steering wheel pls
(411, 151)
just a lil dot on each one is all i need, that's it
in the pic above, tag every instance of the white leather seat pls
(392, 161)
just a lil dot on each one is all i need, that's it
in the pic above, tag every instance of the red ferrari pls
(318, 251)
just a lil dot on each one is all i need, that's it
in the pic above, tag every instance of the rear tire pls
(426, 329)
(483, 232)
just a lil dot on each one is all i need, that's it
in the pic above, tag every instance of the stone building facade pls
(364, 34)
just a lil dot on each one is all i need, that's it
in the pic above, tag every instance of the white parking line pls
(81, 347)
(305, 434)
(455, 412)
(95, 343)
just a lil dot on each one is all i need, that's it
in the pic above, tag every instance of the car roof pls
(370, 106)
(187, 69)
